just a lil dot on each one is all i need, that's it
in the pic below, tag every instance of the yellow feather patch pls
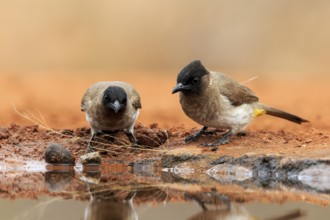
(258, 112)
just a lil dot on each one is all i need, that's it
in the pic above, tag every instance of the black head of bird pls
(114, 99)
(189, 80)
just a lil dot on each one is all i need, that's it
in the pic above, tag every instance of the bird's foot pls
(135, 147)
(89, 148)
(225, 139)
(193, 137)
(132, 139)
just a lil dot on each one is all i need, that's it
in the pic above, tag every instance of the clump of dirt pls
(16, 134)
(148, 136)
(151, 136)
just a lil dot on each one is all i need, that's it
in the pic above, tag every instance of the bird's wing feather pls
(84, 100)
(135, 98)
(91, 94)
(236, 92)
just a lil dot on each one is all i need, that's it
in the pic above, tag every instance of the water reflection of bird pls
(238, 212)
(235, 212)
(216, 206)
(101, 208)
(225, 210)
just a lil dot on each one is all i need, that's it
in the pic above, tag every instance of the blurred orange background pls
(51, 52)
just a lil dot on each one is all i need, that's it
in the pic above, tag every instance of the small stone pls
(91, 158)
(57, 154)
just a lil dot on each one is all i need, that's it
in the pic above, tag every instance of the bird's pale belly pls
(235, 118)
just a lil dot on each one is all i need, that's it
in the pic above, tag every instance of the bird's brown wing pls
(93, 92)
(84, 99)
(236, 92)
(135, 99)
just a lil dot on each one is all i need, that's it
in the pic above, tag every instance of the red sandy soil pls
(55, 98)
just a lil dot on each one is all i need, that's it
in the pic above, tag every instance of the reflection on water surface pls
(225, 191)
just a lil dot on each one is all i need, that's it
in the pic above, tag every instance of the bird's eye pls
(195, 81)
(107, 98)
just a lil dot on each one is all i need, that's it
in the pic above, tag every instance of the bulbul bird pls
(110, 107)
(213, 99)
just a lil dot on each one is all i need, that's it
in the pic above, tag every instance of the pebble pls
(57, 154)
(91, 158)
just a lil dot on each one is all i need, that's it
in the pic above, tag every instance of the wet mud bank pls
(273, 172)
(263, 171)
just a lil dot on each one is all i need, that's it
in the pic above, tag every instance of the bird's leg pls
(196, 135)
(216, 199)
(130, 196)
(110, 135)
(131, 137)
(221, 197)
(223, 140)
(89, 146)
(198, 200)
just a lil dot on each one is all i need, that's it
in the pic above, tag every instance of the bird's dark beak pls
(179, 87)
(116, 106)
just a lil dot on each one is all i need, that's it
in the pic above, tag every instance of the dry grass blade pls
(34, 119)
(253, 78)
(41, 122)
(114, 187)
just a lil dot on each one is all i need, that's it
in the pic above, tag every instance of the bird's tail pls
(282, 114)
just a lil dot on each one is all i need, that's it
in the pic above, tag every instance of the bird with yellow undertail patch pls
(213, 99)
